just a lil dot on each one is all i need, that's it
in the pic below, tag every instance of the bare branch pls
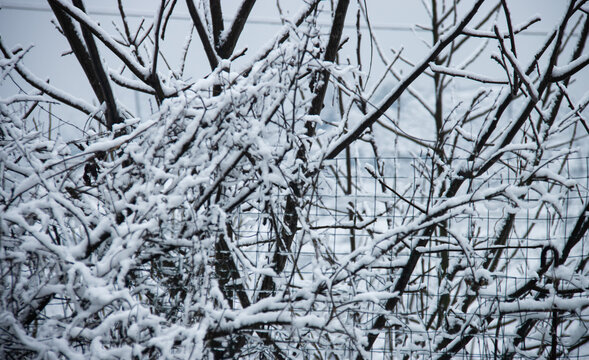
(372, 117)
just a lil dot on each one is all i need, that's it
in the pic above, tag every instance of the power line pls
(14, 5)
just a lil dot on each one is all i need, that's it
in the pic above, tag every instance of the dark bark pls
(202, 34)
(330, 54)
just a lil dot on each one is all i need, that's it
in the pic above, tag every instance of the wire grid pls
(352, 206)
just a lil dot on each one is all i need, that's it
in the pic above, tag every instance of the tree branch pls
(371, 118)
(202, 34)
(217, 20)
(229, 41)
(112, 113)
(330, 53)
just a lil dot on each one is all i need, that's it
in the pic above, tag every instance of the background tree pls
(209, 228)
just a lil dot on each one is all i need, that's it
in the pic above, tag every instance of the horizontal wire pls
(14, 5)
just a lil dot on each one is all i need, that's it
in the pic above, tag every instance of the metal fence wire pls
(488, 275)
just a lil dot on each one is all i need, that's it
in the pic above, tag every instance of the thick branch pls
(78, 48)
(217, 20)
(202, 34)
(330, 53)
(230, 40)
(112, 113)
(139, 71)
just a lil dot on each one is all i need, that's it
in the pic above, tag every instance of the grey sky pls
(27, 22)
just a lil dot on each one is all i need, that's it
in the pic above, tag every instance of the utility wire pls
(19, 5)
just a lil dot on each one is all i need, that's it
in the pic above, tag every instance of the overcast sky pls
(27, 22)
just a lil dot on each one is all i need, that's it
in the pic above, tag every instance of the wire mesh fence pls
(488, 275)
(497, 277)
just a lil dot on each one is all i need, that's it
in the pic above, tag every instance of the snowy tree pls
(226, 223)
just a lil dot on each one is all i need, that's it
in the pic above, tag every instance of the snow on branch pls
(261, 210)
